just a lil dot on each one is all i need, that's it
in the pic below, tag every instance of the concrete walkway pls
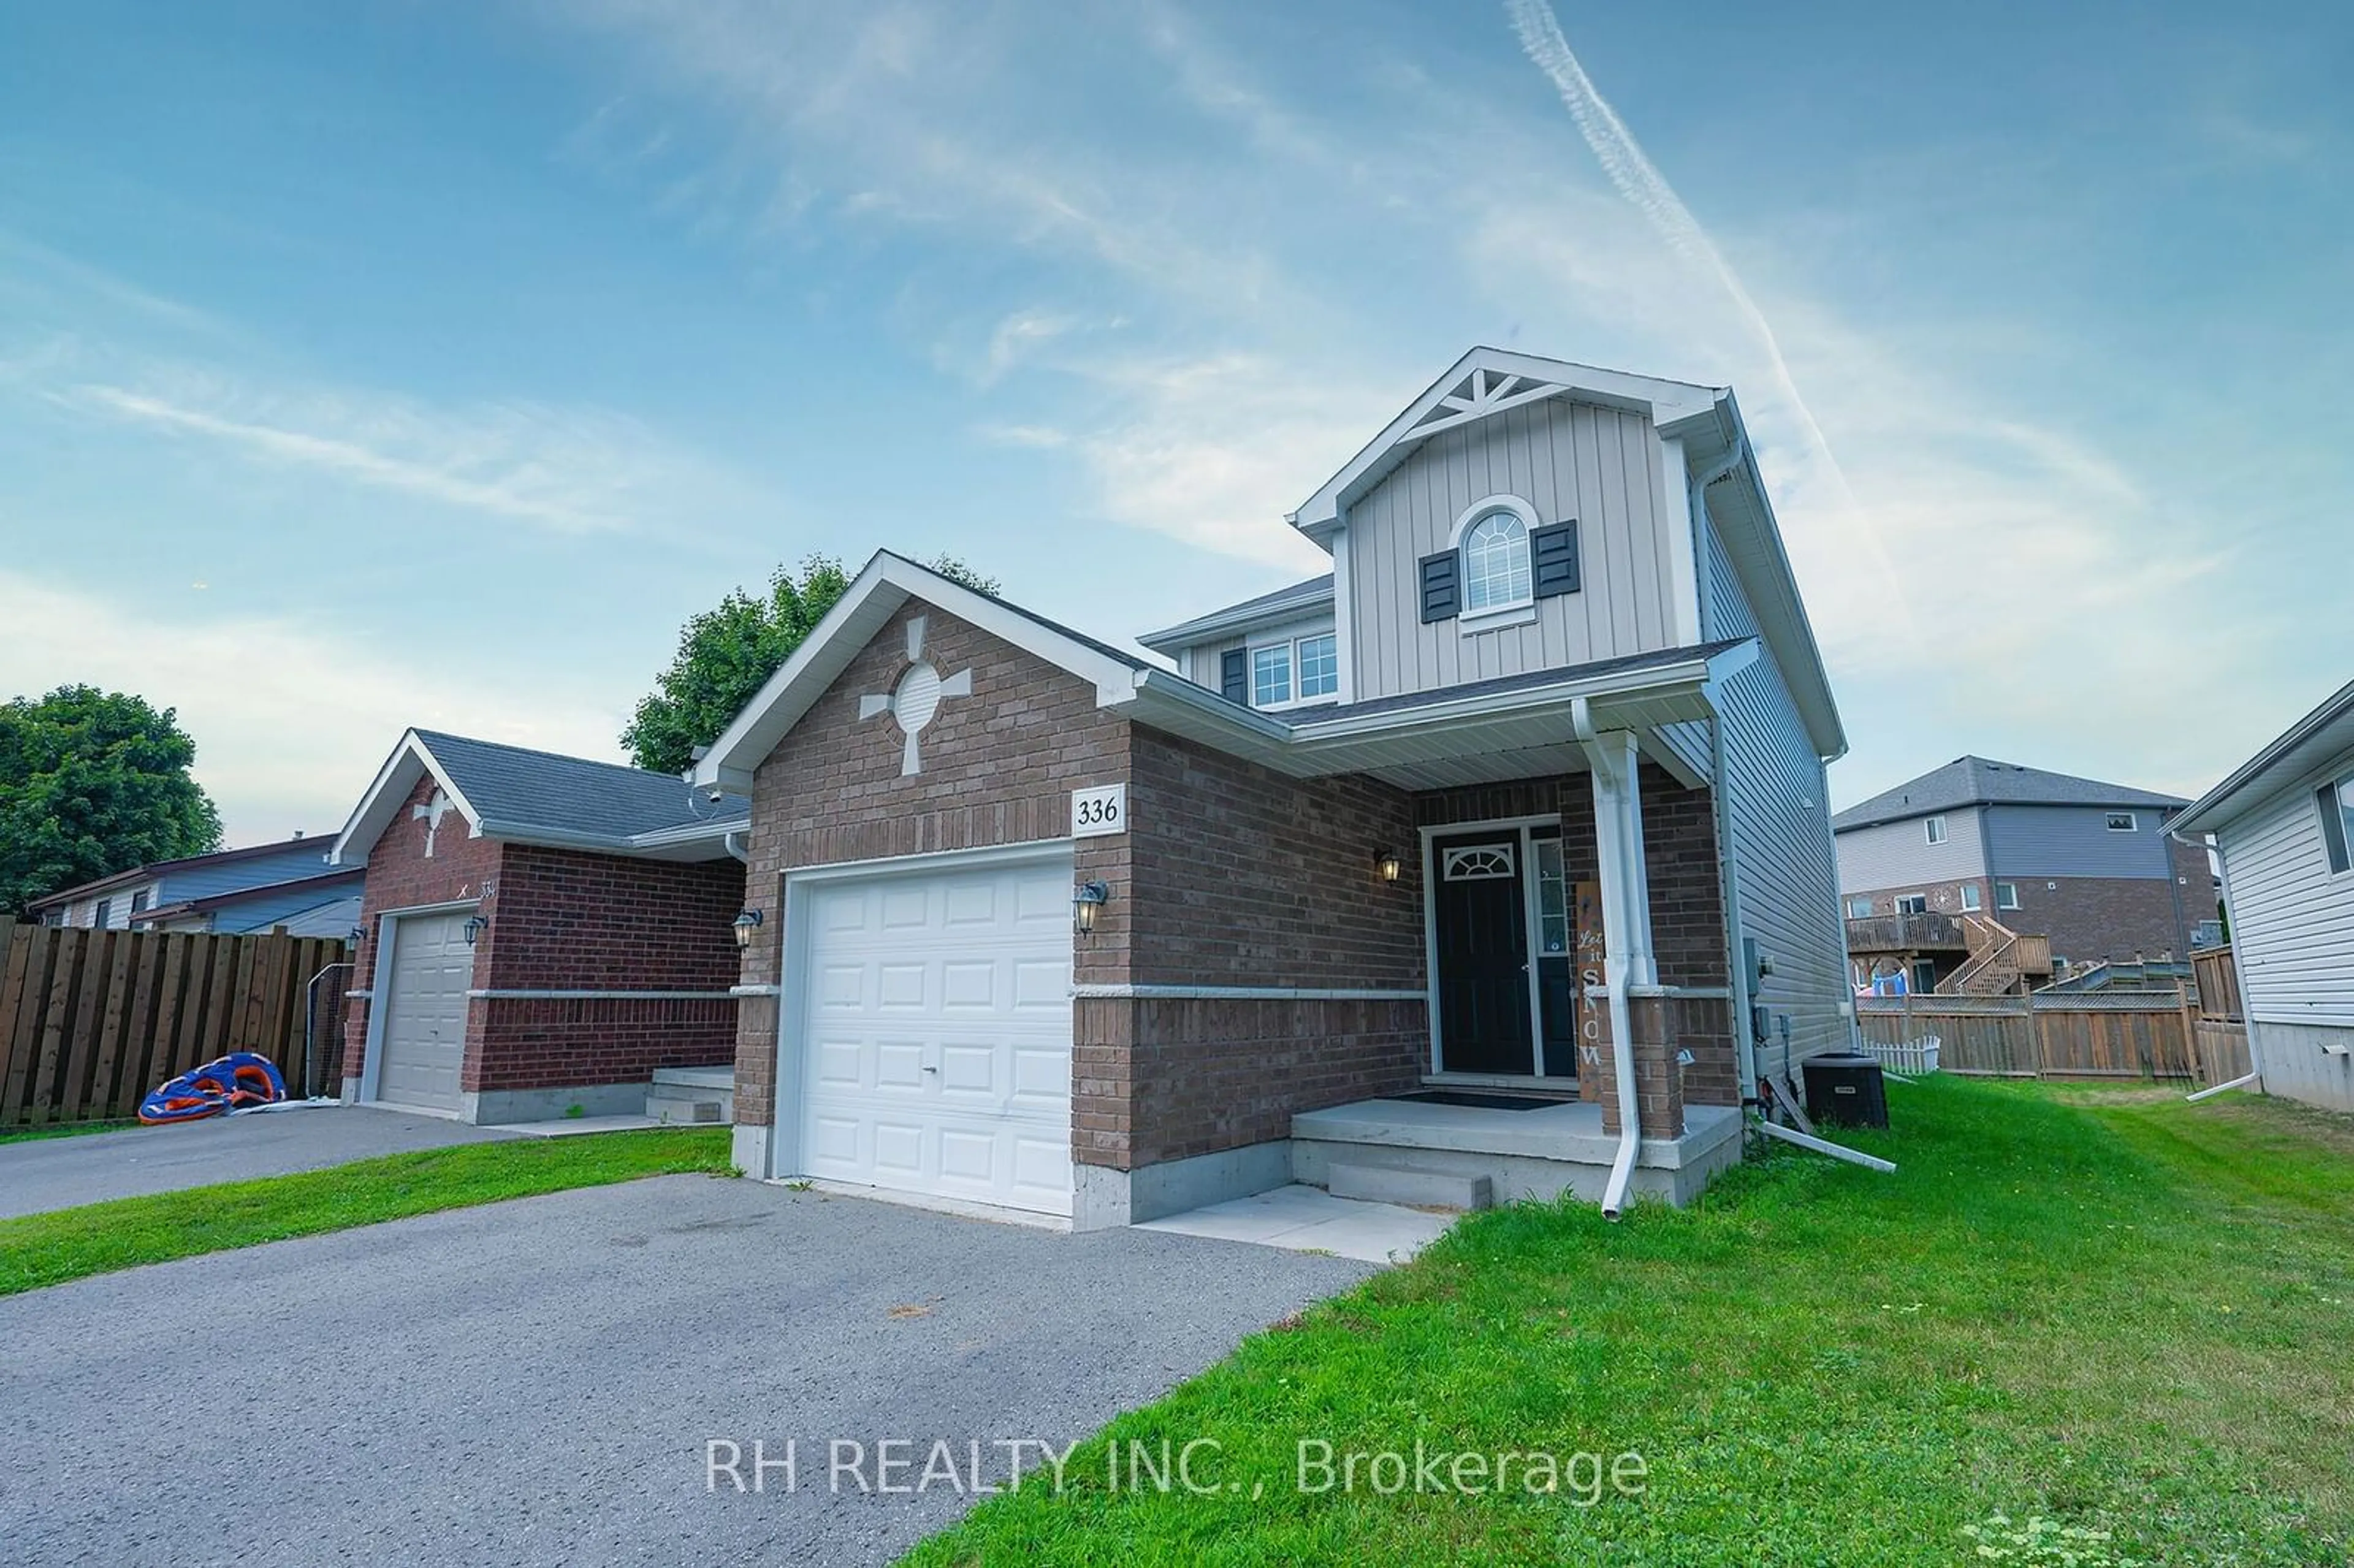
(37, 1174)
(541, 1382)
(1309, 1219)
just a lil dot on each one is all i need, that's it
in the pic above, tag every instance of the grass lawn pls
(60, 1129)
(68, 1244)
(2106, 1309)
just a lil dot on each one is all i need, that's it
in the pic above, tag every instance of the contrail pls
(1641, 183)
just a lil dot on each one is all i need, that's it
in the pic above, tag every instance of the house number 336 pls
(1102, 809)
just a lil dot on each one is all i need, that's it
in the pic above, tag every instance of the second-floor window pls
(1496, 574)
(1271, 675)
(1935, 828)
(1320, 666)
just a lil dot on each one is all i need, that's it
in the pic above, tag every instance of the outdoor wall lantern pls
(1085, 900)
(475, 925)
(747, 921)
(1386, 862)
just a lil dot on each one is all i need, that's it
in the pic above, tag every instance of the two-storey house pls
(1989, 876)
(1498, 859)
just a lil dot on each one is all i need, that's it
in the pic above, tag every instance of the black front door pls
(1483, 954)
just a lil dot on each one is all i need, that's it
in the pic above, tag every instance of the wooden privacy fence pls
(2218, 982)
(91, 1020)
(2091, 1035)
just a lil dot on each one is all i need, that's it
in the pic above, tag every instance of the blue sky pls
(361, 366)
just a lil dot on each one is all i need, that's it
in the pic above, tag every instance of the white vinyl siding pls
(2292, 919)
(1564, 459)
(1785, 875)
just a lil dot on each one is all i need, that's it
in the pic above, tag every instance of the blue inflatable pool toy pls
(239, 1079)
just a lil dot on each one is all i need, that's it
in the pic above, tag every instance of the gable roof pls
(1488, 381)
(1978, 781)
(524, 796)
(1314, 594)
(153, 869)
(885, 584)
(1704, 423)
(2315, 745)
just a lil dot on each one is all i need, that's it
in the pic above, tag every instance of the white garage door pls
(936, 1034)
(423, 1045)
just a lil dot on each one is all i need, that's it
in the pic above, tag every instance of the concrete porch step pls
(694, 1097)
(1405, 1184)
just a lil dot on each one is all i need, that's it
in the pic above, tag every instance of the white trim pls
(372, 1046)
(1933, 830)
(785, 1106)
(755, 990)
(888, 582)
(1243, 993)
(1344, 612)
(515, 993)
(412, 747)
(360, 996)
(1683, 554)
(1666, 402)
(2133, 821)
(1488, 617)
(1521, 828)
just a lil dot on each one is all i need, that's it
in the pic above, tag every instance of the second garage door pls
(936, 1028)
(423, 1045)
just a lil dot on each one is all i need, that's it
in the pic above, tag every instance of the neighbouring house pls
(540, 933)
(1496, 863)
(136, 898)
(325, 905)
(2283, 827)
(1987, 877)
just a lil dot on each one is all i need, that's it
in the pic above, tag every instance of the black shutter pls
(1234, 676)
(1553, 552)
(1438, 586)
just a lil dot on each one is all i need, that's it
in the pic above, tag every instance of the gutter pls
(1614, 975)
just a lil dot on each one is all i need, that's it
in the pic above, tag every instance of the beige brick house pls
(1498, 857)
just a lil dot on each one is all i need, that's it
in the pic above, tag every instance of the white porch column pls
(1618, 855)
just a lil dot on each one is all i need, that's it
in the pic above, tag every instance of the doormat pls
(1478, 1101)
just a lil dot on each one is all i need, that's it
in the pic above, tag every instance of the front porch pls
(1554, 1148)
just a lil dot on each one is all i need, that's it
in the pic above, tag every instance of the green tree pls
(92, 783)
(727, 652)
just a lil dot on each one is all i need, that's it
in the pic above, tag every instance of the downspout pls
(1614, 975)
(1744, 1054)
(736, 845)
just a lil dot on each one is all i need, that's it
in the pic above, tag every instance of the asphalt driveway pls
(37, 1174)
(539, 1382)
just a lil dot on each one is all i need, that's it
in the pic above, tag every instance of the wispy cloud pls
(291, 718)
(569, 469)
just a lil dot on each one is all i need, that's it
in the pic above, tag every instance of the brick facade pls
(1230, 876)
(998, 767)
(564, 920)
(2087, 919)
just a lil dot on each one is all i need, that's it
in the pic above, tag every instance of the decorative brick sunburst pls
(916, 700)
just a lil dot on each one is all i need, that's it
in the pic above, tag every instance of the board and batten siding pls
(1784, 872)
(1565, 460)
(1898, 857)
(2025, 841)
